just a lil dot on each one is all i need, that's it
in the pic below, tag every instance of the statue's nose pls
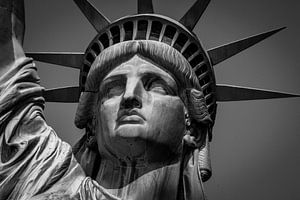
(132, 102)
(132, 97)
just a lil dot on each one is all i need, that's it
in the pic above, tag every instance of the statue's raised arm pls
(34, 162)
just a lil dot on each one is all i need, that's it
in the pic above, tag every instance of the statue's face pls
(139, 109)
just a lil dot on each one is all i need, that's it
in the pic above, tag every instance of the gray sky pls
(256, 145)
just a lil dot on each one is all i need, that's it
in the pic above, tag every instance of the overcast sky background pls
(256, 145)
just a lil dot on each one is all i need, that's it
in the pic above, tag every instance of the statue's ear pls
(199, 118)
(195, 135)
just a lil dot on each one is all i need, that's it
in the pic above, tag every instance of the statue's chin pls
(129, 140)
(131, 131)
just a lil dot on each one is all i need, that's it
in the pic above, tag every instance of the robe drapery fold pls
(34, 162)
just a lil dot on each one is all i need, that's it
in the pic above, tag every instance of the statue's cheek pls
(108, 113)
(166, 119)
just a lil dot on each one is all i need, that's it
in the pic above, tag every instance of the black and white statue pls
(147, 101)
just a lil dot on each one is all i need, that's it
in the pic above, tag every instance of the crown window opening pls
(201, 69)
(169, 34)
(83, 80)
(142, 30)
(208, 91)
(206, 84)
(104, 40)
(93, 53)
(128, 28)
(190, 50)
(209, 100)
(203, 74)
(155, 30)
(208, 96)
(86, 68)
(180, 41)
(204, 81)
(196, 60)
(83, 73)
(90, 58)
(211, 108)
(115, 33)
(95, 47)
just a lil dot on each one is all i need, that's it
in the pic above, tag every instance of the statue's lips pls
(132, 117)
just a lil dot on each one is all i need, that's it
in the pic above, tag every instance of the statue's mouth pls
(130, 117)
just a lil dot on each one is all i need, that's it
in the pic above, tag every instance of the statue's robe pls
(34, 162)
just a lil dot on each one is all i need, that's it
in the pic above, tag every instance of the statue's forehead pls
(139, 66)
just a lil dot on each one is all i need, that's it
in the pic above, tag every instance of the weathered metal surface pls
(97, 19)
(226, 51)
(145, 6)
(73, 60)
(64, 95)
(236, 93)
(191, 18)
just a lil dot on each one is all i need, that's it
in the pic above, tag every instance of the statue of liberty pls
(147, 100)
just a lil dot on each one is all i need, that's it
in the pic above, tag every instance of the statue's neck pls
(140, 180)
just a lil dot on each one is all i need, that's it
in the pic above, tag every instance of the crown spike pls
(98, 20)
(191, 18)
(226, 51)
(145, 6)
(63, 95)
(73, 60)
(237, 93)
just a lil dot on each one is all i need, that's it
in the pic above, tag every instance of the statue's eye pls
(112, 89)
(157, 86)
(115, 91)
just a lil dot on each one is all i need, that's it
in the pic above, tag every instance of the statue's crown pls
(149, 26)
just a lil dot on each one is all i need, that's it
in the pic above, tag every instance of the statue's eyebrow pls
(113, 77)
(110, 79)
